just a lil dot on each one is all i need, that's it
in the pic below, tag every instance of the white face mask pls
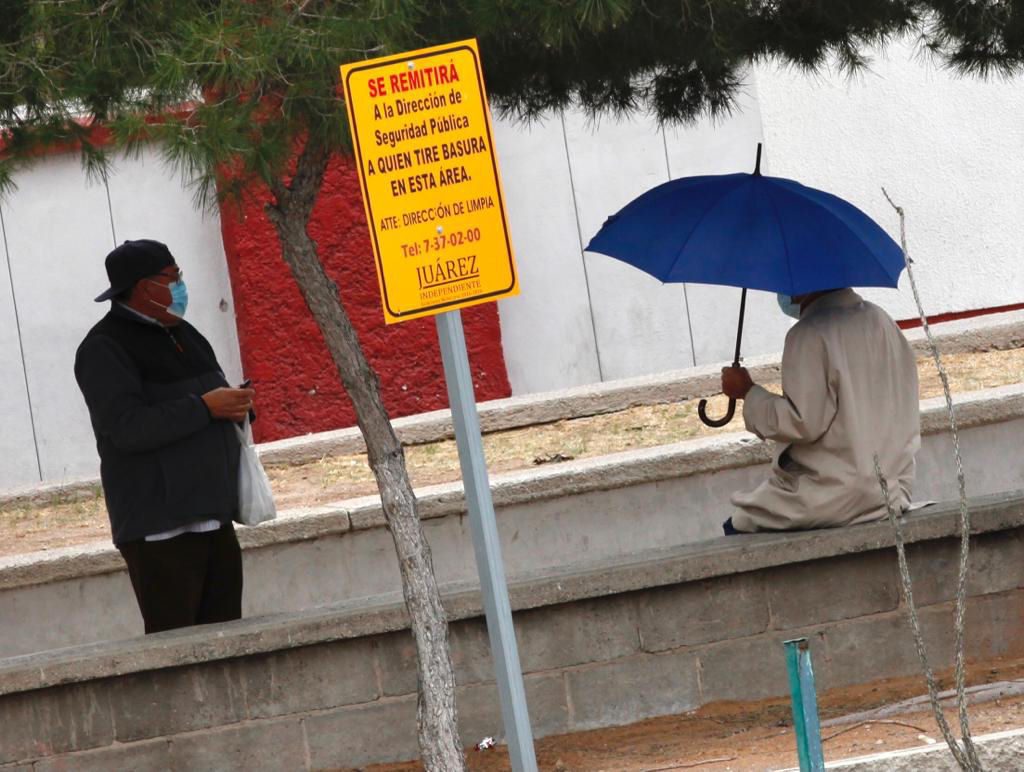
(789, 308)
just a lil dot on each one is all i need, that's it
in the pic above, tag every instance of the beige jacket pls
(850, 384)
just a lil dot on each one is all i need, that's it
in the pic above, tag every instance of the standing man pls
(162, 414)
(849, 381)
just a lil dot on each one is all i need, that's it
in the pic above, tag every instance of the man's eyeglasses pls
(176, 274)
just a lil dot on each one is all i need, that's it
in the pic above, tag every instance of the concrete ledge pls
(998, 332)
(715, 558)
(101, 558)
(706, 455)
(684, 459)
(975, 408)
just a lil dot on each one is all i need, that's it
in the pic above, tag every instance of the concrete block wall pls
(609, 645)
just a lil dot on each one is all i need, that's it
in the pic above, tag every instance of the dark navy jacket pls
(164, 462)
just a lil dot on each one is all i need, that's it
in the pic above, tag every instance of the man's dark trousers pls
(190, 579)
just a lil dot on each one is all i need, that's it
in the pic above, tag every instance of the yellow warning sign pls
(422, 140)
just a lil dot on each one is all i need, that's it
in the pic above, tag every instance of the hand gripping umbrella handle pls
(703, 404)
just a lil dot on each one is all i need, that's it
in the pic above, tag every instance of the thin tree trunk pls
(437, 725)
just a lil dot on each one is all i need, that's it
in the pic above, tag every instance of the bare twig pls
(872, 721)
(692, 764)
(966, 757)
(915, 626)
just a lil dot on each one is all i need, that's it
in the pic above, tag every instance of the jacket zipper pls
(174, 340)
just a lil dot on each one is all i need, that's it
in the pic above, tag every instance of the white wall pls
(18, 459)
(58, 227)
(950, 150)
(559, 348)
(584, 318)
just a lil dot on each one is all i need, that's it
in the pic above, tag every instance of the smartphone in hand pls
(247, 383)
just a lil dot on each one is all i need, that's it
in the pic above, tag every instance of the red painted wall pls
(298, 390)
(953, 316)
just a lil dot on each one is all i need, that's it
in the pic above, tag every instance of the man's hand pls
(736, 382)
(229, 404)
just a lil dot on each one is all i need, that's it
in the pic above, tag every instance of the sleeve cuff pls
(205, 409)
(753, 408)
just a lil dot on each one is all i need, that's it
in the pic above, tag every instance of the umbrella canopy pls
(751, 231)
(754, 232)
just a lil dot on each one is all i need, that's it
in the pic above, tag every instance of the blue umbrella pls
(750, 231)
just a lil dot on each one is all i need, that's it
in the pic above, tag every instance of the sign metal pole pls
(486, 545)
(440, 237)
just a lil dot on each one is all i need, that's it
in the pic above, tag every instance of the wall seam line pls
(686, 295)
(579, 236)
(21, 347)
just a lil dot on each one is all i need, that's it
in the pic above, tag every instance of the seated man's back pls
(851, 392)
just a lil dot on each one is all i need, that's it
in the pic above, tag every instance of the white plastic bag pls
(255, 499)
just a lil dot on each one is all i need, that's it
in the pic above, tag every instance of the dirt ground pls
(758, 736)
(62, 523)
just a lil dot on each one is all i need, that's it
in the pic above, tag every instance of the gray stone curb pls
(386, 613)
(1000, 751)
(999, 332)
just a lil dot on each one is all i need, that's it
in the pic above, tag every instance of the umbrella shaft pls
(739, 328)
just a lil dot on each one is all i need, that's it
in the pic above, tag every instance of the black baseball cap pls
(132, 261)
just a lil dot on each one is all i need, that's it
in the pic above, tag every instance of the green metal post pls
(805, 705)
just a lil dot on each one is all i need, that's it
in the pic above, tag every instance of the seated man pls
(849, 380)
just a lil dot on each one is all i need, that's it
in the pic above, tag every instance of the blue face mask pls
(789, 308)
(179, 298)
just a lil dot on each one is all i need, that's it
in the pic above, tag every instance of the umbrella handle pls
(716, 422)
(703, 404)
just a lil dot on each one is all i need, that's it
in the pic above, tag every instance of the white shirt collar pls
(141, 316)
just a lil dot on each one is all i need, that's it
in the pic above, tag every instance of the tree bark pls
(437, 725)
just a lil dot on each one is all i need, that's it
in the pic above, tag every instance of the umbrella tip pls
(757, 164)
